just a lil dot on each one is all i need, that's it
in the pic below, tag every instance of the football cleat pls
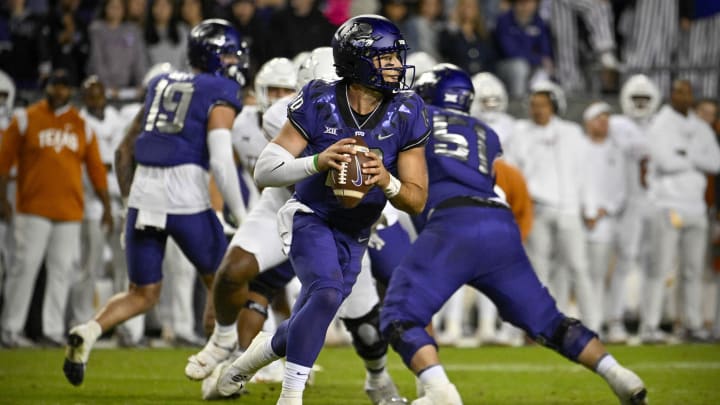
(445, 394)
(627, 386)
(209, 385)
(76, 356)
(383, 391)
(203, 363)
(234, 377)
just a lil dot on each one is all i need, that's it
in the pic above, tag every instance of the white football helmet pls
(155, 70)
(7, 88)
(557, 95)
(277, 72)
(639, 97)
(422, 61)
(319, 65)
(490, 93)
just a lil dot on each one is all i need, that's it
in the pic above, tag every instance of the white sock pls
(434, 375)
(607, 361)
(295, 378)
(225, 333)
(94, 331)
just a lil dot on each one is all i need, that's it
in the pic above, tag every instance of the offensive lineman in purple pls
(471, 238)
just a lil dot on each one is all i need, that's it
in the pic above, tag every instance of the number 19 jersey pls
(177, 107)
(172, 153)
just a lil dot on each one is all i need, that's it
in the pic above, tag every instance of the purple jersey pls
(460, 155)
(322, 115)
(177, 107)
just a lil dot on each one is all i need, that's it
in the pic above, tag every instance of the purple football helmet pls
(360, 41)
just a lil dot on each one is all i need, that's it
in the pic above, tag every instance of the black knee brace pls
(569, 338)
(367, 340)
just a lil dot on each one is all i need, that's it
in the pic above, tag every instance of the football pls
(348, 184)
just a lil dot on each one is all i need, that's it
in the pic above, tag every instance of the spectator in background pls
(683, 150)
(598, 18)
(50, 143)
(245, 18)
(105, 122)
(651, 33)
(604, 197)
(136, 12)
(7, 103)
(165, 35)
(699, 47)
(24, 48)
(466, 42)
(423, 27)
(117, 52)
(548, 151)
(191, 12)
(69, 39)
(707, 110)
(396, 11)
(524, 46)
(300, 26)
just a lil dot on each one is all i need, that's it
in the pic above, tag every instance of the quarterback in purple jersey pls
(182, 134)
(470, 237)
(325, 242)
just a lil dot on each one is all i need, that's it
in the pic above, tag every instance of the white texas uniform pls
(634, 221)
(258, 233)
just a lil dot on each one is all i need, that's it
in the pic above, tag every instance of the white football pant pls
(562, 234)
(38, 238)
(686, 241)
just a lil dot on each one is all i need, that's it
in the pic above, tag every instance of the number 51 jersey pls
(177, 107)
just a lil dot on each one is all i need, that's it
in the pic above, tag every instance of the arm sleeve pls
(94, 164)
(704, 152)
(276, 167)
(224, 170)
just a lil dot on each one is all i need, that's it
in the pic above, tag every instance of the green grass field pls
(529, 375)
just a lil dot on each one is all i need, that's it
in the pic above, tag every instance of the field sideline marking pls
(570, 367)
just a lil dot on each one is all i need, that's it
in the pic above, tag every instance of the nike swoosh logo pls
(278, 166)
(384, 136)
(299, 373)
(359, 178)
(363, 240)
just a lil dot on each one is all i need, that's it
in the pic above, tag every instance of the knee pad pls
(366, 338)
(406, 338)
(568, 338)
(257, 307)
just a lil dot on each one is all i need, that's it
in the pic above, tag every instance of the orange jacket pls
(49, 150)
(512, 182)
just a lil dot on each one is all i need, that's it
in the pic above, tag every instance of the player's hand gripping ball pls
(349, 184)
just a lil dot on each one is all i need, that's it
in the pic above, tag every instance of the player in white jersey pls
(683, 152)
(490, 105)
(639, 99)
(547, 149)
(604, 198)
(256, 247)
